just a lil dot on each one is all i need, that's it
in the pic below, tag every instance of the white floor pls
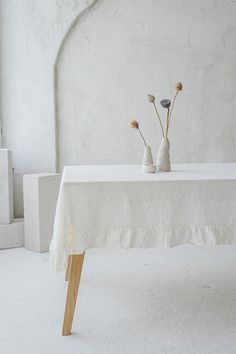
(177, 301)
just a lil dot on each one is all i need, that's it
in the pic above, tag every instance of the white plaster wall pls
(122, 50)
(117, 53)
(31, 33)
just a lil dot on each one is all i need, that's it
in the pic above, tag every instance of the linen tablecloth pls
(122, 207)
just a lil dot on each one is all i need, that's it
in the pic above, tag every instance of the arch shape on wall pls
(145, 55)
(59, 51)
(101, 59)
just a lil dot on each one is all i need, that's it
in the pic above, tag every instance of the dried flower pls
(151, 98)
(166, 103)
(133, 124)
(179, 86)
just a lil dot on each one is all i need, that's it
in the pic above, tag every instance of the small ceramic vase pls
(148, 165)
(163, 156)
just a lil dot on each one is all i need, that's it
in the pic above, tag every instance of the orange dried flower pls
(179, 86)
(133, 124)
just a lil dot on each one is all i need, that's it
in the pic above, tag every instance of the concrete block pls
(12, 235)
(40, 198)
(6, 187)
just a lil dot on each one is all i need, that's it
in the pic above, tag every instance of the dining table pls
(120, 206)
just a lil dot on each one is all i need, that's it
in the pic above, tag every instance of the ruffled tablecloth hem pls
(140, 238)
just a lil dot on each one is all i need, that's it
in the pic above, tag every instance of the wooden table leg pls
(76, 264)
(68, 268)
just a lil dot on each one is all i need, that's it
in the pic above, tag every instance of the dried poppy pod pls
(166, 103)
(133, 124)
(151, 98)
(179, 86)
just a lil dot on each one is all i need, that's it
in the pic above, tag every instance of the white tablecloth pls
(120, 206)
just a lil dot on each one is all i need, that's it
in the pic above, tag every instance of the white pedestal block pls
(12, 235)
(6, 187)
(40, 198)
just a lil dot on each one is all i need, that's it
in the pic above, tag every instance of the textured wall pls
(117, 53)
(31, 33)
(122, 50)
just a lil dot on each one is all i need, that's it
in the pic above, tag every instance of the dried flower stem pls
(173, 102)
(167, 121)
(159, 119)
(142, 137)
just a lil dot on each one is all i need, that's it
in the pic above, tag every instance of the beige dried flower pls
(179, 86)
(133, 124)
(151, 98)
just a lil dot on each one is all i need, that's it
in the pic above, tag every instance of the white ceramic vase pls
(148, 165)
(163, 156)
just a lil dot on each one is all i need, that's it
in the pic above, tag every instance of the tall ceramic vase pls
(148, 165)
(163, 156)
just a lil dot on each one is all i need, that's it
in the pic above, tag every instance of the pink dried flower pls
(133, 124)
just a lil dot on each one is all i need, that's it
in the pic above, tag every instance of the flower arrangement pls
(163, 156)
(166, 103)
